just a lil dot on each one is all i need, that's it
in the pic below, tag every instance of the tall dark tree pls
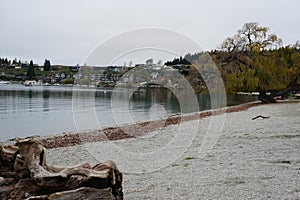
(47, 65)
(30, 71)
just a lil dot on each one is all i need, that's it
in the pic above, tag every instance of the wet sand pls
(250, 159)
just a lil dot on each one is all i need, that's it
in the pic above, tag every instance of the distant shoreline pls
(141, 128)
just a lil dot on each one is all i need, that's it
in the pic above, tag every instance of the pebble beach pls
(222, 156)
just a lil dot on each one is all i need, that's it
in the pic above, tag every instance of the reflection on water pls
(49, 110)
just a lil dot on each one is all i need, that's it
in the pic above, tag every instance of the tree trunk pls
(263, 97)
(282, 94)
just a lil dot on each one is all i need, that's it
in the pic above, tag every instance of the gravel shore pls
(226, 156)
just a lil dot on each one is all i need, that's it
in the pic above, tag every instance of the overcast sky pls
(66, 31)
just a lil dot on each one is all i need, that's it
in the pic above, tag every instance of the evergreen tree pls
(47, 65)
(30, 71)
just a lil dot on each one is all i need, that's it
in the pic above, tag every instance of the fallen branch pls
(260, 116)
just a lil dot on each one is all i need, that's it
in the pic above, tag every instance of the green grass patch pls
(190, 158)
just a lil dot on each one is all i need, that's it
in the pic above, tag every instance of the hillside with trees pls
(254, 60)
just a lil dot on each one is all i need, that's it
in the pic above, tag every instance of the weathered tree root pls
(27, 176)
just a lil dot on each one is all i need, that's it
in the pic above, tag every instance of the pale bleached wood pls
(26, 165)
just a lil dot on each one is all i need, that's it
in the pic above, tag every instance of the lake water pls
(37, 110)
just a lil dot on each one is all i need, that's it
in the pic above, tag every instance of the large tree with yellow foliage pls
(253, 60)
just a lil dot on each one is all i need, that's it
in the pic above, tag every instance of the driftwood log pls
(26, 175)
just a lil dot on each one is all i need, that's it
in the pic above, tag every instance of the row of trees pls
(30, 68)
(7, 62)
(254, 60)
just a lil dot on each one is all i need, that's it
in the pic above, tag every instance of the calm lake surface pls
(38, 110)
